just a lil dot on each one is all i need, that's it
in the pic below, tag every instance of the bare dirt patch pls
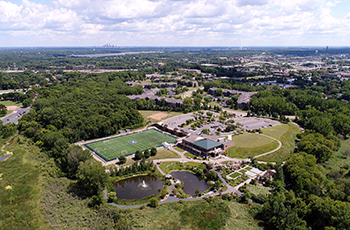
(12, 107)
(159, 116)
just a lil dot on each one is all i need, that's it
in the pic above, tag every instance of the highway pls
(15, 115)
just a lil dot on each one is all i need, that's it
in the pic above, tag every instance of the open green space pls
(248, 168)
(276, 131)
(20, 188)
(192, 156)
(161, 154)
(251, 144)
(216, 214)
(112, 148)
(234, 175)
(11, 103)
(166, 167)
(287, 135)
(340, 160)
(214, 103)
(242, 171)
(179, 149)
(201, 214)
(259, 189)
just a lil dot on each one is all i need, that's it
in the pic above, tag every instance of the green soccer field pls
(112, 148)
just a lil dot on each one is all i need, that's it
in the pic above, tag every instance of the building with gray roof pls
(205, 145)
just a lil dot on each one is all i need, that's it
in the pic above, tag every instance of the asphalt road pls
(15, 115)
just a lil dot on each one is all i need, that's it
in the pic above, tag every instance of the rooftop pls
(207, 144)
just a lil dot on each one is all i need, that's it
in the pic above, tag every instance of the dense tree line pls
(84, 108)
(136, 168)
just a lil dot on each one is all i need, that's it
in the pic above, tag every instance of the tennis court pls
(110, 149)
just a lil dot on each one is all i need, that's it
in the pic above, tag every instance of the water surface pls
(191, 182)
(132, 188)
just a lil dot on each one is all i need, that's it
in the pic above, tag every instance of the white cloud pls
(171, 22)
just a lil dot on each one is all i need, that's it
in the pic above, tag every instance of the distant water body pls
(113, 54)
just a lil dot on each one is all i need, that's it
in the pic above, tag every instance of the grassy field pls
(166, 167)
(10, 103)
(179, 149)
(276, 131)
(217, 214)
(147, 113)
(161, 154)
(64, 210)
(286, 133)
(251, 144)
(125, 145)
(19, 203)
(258, 189)
(340, 159)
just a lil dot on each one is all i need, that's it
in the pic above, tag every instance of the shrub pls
(154, 202)
(227, 196)
(112, 197)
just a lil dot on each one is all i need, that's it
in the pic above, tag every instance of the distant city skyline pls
(174, 23)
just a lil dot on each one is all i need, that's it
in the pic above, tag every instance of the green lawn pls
(234, 175)
(192, 156)
(161, 154)
(242, 171)
(276, 131)
(287, 135)
(214, 103)
(179, 149)
(258, 189)
(112, 148)
(248, 168)
(10, 103)
(166, 167)
(251, 144)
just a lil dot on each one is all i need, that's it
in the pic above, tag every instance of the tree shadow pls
(75, 189)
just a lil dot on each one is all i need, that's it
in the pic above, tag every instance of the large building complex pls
(206, 145)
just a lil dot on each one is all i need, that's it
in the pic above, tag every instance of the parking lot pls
(15, 115)
(248, 123)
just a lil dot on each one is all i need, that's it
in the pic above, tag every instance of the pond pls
(191, 182)
(137, 187)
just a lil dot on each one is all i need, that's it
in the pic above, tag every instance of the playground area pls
(127, 144)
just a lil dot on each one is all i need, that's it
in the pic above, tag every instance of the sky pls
(30, 23)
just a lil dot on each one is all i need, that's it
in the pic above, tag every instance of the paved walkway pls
(279, 146)
(184, 159)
